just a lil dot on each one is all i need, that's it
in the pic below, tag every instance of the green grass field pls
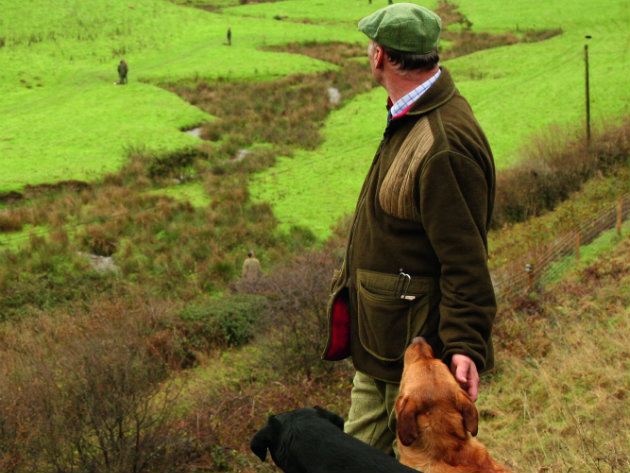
(63, 118)
(516, 91)
(62, 115)
(520, 89)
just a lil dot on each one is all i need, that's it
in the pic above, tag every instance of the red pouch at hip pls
(339, 342)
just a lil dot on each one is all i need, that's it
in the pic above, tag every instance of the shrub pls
(45, 274)
(91, 396)
(14, 429)
(100, 240)
(298, 292)
(10, 221)
(167, 164)
(557, 164)
(221, 322)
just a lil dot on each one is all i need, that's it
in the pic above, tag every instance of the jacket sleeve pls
(454, 193)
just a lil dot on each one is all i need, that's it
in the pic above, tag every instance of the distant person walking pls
(251, 268)
(229, 36)
(123, 69)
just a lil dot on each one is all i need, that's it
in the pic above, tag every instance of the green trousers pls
(372, 418)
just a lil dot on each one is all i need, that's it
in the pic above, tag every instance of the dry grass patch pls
(558, 400)
(87, 393)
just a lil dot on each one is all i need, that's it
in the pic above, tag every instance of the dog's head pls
(431, 403)
(278, 434)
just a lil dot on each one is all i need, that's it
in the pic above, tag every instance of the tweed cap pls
(404, 27)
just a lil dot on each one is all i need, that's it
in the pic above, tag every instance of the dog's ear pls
(331, 416)
(469, 413)
(264, 438)
(406, 425)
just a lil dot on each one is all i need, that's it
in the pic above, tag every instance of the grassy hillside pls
(556, 401)
(72, 368)
(127, 340)
(516, 91)
(58, 100)
(63, 118)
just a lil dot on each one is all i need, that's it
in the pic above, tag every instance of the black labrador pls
(311, 440)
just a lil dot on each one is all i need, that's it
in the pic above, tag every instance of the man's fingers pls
(466, 375)
(461, 374)
(473, 390)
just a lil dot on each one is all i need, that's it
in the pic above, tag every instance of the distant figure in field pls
(123, 69)
(251, 268)
(229, 36)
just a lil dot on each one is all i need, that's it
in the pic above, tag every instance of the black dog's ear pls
(264, 438)
(330, 416)
(260, 442)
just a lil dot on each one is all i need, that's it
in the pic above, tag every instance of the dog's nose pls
(419, 340)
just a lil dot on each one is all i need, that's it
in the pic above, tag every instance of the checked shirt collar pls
(403, 104)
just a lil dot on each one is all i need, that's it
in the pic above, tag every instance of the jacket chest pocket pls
(389, 318)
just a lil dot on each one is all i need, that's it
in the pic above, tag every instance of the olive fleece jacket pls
(416, 260)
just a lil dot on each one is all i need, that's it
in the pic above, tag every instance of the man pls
(123, 69)
(416, 259)
(251, 268)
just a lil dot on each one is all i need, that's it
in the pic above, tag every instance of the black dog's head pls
(278, 435)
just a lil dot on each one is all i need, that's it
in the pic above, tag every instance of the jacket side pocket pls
(387, 322)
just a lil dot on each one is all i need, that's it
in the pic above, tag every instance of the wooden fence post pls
(530, 277)
(578, 243)
(619, 215)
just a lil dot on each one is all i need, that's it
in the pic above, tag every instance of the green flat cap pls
(404, 27)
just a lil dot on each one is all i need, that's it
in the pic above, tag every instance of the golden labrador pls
(436, 420)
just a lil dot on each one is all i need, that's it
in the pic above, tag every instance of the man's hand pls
(465, 372)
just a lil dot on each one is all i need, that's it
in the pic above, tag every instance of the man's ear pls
(469, 413)
(378, 57)
(406, 425)
(331, 416)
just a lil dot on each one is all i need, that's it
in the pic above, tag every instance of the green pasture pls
(62, 117)
(517, 93)
(314, 189)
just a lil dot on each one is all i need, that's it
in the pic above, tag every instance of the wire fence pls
(545, 262)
